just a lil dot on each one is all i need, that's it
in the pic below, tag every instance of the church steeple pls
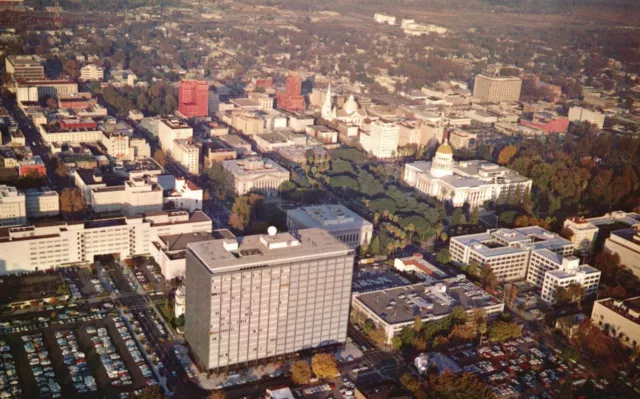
(327, 107)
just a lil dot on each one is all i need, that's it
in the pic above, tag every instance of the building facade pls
(291, 99)
(382, 140)
(32, 247)
(340, 221)
(13, 208)
(187, 154)
(42, 202)
(260, 175)
(193, 98)
(24, 67)
(266, 296)
(172, 129)
(91, 72)
(497, 89)
(619, 318)
(579, 114)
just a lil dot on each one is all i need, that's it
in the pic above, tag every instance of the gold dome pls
(445, 149)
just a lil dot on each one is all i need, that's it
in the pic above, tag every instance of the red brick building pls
(291, 99)
(76, 101)
(29, 165)
(193, 98)
(547, 122)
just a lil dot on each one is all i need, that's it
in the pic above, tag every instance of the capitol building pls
(473, 182)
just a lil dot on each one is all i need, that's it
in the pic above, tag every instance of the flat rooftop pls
(504, 241)
(253, 166)
(403, 304)
(329, 217)
(377, 279)
(179, 242)
(224, 255)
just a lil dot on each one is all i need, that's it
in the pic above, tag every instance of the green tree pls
(458, 386)
(374, 246)
(417, 323)
(457, 218)
(444, 256)
(503, 331)
(300, 372)
(573, 293)
(219, 181)
(474, 218)
(324, 366)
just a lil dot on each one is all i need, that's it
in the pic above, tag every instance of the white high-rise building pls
(13, 209)
(265, 296)
(91, 72)
(584, 233)
(497, 89)
(187, 154)
(382, 140)
(172, 129)
(579, 114)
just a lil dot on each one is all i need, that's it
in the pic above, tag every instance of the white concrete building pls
(579, 114)
(394, 309)
(117, 145)
(420, 267)
(32, 247)
(170, 252)
(24, 66)
(172, 129)
(70, 132)
(256, 175)
(549, 271)
(42, 202)
(13, 209)
(187, 154)
(382, 18)
(619, 318)
(47, 87)
(340, 221)
(182, 193)
(497, 89)
(179, 300)
(91, 72)
(626, 243)
(507, 251)
(472, 182)
(137, 196)
(584, 233)
(382, 140)
(27, 94)
(265, 296)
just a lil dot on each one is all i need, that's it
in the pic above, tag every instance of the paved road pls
(389, 364)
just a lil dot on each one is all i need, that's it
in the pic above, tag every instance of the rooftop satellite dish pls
(272, 231)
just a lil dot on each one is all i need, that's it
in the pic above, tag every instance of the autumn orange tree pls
(300, 372)
(324, 365)
(458, 386)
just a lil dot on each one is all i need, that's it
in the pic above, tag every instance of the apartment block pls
(340, 221)
(137, 196)
(626, 243)
(583, 233)
(265, 296)
(497, 89)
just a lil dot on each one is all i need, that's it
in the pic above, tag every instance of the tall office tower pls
(262, 296)
(291, 99)
(496, 89)
(193, 98)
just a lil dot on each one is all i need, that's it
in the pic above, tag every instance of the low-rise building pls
(170, 252)
(41, 247)
(420, 267)
(340, 221)
(71, 131)
(619, 318)
(462, 139)
(24, 66)
(394, 309)
(42, 202)
(91, 72)
(260, 175)
(137, 196)
(48, 87)
(323, 134)
(182, 193)
(507, 251)
(13, 209)
(626, 243)
(579, 114)
(32, 165)
(583, 233)
(381, 140)
(549, 271)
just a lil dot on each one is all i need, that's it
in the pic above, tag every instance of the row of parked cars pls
(138, 358)
(76, 362)
(109, 356)
(75, 291)
(45, 378)
(9, 383)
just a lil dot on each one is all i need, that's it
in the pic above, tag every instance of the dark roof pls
(383, 390)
